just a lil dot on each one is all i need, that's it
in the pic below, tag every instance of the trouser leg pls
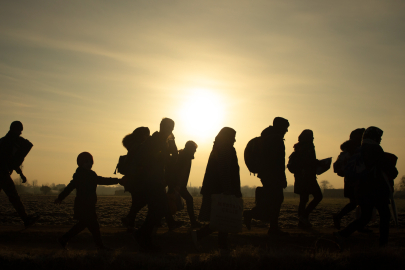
(304, 198)
(276, 200)
(138, 202)
(75, 230)
(189, 203)
(385, 215)
(94, 228)
(317, 193)
(365, 217)
(156, 201)
(347, 209)
(7, 184)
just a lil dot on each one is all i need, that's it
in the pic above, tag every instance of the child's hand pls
(57, 201)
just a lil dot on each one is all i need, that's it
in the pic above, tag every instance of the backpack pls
(355, 169)
(293, 163)
(254, 155)
(340, 164)
(122, 166)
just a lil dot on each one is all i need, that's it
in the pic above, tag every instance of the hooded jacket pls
(222, 172)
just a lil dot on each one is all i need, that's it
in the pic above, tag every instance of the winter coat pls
(85, 182)
(273, 164)
(305, 176)
(7, 159)
(348, 149)
(181, 171)
(374, 188)
(222, 172)
(151, 158)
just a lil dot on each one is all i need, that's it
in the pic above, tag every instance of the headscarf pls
(225, 136)
(306, 136)
(280, 123)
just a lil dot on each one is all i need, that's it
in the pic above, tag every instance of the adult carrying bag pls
(226, 213)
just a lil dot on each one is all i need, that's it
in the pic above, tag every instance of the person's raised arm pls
(107, 181)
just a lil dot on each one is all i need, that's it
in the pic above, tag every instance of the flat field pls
(37, 248)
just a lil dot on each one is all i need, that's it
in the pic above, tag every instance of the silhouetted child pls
(85, 182)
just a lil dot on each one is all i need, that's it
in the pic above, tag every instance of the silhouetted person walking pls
(272, 175)
(13, 150)
(348, 149)
(372, 170)
(132, 142)
(221, 176)
(306, 164)
(85, 182)
(180, 179)
(150, 161)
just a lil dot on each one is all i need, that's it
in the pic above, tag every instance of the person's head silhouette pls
(373, 133)
(16, 128)
(166, 127)
(281, 125)
(190, 148)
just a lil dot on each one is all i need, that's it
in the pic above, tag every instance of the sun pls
(202, 114)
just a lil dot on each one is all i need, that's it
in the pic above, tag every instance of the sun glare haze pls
(201, 115)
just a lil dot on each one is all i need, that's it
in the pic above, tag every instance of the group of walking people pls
(156, 174)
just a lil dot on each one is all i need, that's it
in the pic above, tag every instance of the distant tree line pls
(32, 187)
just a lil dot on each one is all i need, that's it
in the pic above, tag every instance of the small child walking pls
(85, 182)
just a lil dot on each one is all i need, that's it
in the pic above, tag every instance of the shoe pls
(305, 222)
(365, 230)
(30, 221)
(195, 225)
(336, 221)
(196, 241)
(63, 243)
(277, 232)
(247, 219)
(176, 225)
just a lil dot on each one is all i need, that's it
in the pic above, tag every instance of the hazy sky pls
(81, 75)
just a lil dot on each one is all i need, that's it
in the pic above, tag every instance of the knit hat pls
(83, 158)
(280, 122)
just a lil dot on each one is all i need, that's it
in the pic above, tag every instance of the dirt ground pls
(37, 247)
(110, 209)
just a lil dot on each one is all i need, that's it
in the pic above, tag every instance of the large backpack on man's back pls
(355, 169)
(254, 155)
